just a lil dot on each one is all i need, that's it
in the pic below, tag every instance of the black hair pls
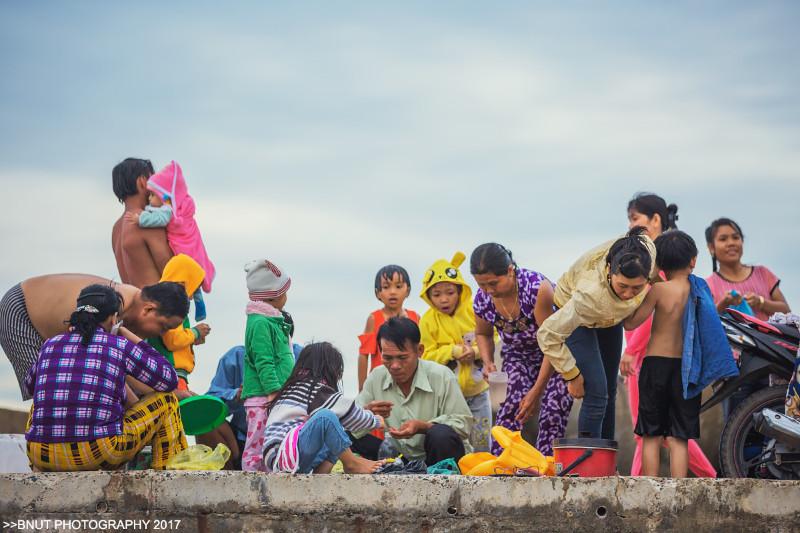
(491, 258)
(675, 250)
(711, 234)
(650, 204)
(125, 174)
(399, 330)
(169, 296)
(95, 304)
(629, 256)
(388, 273)
(320, 362)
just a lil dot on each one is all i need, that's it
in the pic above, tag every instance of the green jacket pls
(268, 358)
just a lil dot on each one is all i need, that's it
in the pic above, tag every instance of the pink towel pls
(182, 231)
(288, 457)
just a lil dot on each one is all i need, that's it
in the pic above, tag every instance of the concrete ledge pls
(238, 501)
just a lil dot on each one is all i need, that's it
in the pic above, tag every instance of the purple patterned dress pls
(522, 360)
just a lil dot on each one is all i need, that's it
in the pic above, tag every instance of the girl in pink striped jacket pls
(308, 419)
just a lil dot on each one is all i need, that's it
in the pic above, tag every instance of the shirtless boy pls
(663, 411)
(38, 308)
(141, 253)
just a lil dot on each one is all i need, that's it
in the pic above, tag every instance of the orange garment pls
(369, 341)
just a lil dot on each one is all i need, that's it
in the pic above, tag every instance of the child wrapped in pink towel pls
(172, 207)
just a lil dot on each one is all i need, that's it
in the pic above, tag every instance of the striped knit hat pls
(265, 281)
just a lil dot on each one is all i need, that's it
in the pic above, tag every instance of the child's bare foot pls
(359, 465)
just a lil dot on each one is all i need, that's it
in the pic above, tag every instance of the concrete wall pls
(236, 501)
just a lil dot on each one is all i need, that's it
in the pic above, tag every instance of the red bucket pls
(585, 457)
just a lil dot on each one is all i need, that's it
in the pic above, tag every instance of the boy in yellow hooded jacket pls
(177, 345)
(448, 335)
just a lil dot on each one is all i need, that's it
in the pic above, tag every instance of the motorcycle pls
(758, 440)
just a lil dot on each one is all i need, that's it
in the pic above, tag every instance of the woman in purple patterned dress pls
(515, 301)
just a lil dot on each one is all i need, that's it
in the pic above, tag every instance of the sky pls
(336, 137)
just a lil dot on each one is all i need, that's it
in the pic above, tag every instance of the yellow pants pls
(153, 420)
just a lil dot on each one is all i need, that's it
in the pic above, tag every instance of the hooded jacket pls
(445, 335)
(177, 344)
(182, 231)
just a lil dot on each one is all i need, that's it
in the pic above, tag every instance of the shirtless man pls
(664, 413)
(38, 308)
(141, 253)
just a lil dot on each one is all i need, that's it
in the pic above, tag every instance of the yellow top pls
(584, 298)
(445, 335)
(186, 271)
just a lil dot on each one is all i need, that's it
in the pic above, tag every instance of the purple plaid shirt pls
(79, 391)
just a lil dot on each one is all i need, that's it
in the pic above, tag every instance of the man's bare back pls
(140, 253)
(50, 299)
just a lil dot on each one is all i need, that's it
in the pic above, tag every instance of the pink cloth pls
(761, 281)
(255, 307)
(636, 344)
(288, 458)
(182, 231)
(253, 453)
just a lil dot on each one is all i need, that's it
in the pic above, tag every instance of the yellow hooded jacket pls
(180, 341)
(444, 335)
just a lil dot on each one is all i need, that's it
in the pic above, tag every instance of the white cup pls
(498, 387)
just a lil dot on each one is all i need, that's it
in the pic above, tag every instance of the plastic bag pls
(446, 467)
(200, 457)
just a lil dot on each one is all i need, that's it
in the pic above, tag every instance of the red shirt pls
(369, 341)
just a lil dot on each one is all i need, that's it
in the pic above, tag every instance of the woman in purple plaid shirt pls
(79, 419)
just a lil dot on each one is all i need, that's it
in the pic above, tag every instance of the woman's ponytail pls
(95, 304)
(650, 204)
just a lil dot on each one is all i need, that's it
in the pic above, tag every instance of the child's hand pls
(132, 217)
(467, 353)
(204, 330)
(627, 365)
(380, 408)
(381, 420)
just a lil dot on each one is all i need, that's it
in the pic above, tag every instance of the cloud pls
(341, 139)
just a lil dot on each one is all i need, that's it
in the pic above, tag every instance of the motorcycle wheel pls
(741, 447)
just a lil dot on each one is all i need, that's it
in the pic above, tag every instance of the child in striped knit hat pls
(268, 359)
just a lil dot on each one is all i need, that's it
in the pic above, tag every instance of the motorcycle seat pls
(789, 331)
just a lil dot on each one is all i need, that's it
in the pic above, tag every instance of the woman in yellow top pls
(448, 334)
(583, 338)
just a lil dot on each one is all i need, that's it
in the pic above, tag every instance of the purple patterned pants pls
(556, 403)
